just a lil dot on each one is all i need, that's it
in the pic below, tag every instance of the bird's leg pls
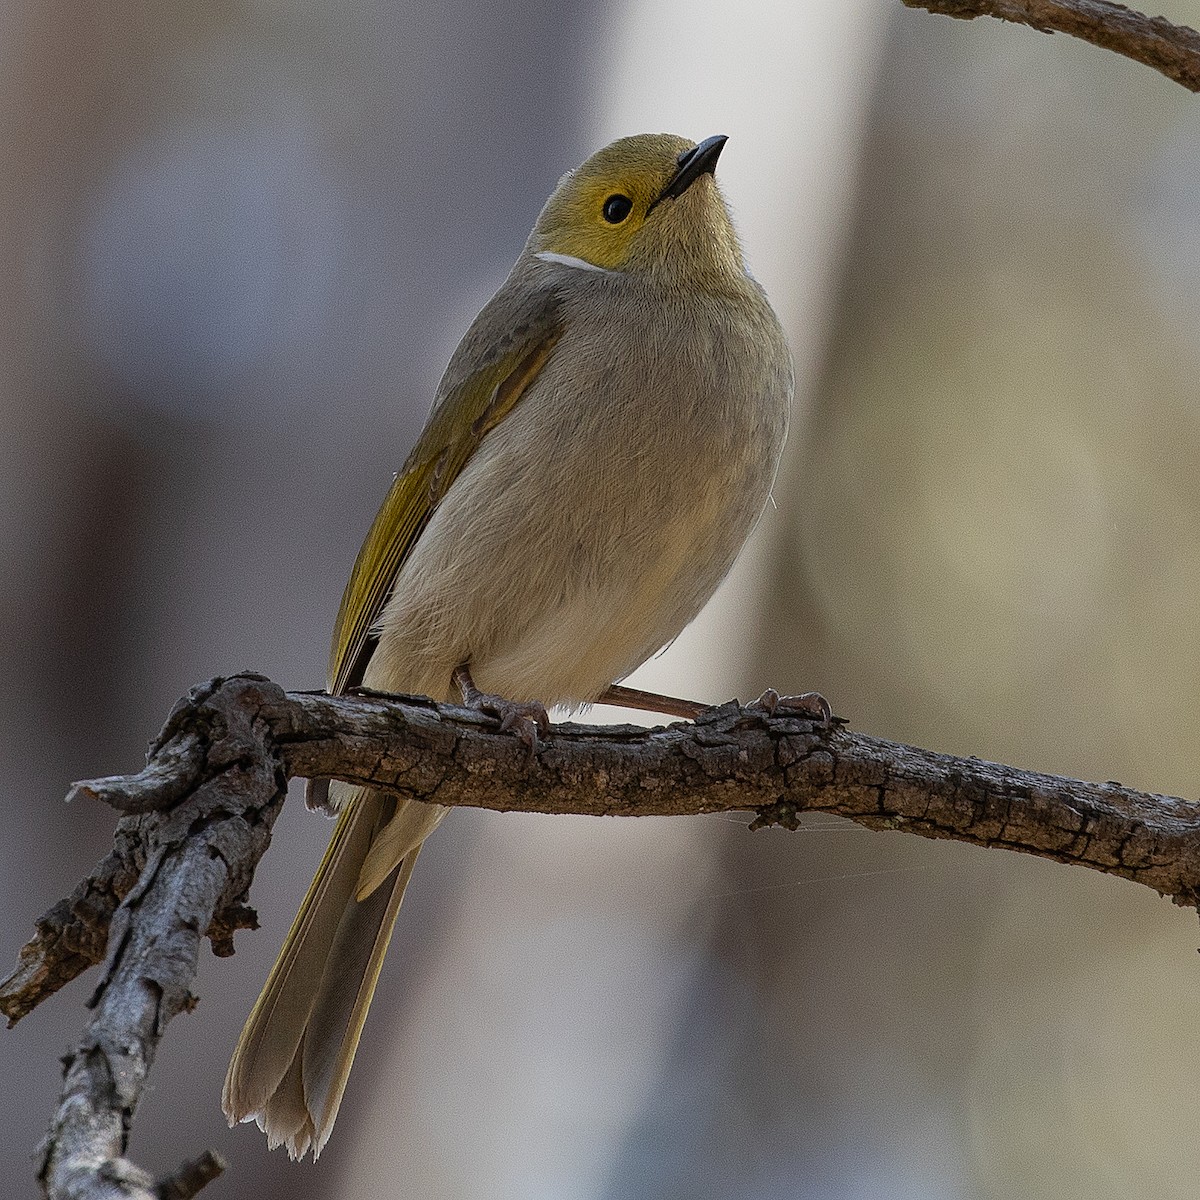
(672, 706)
(809, 704)
(525, 718)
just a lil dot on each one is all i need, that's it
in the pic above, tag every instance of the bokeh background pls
(239, 242)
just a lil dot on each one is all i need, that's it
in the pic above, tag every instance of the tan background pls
(239, 243)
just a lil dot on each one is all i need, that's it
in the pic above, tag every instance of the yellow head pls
(646, 203)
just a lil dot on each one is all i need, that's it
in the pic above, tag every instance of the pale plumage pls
(602, 442)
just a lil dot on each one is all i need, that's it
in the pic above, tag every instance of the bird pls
(600, 446)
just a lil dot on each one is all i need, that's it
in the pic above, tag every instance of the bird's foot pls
(809, 704)
(523, 718)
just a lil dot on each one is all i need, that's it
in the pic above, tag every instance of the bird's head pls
(642, 204)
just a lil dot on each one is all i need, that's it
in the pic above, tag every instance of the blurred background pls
(239, 243)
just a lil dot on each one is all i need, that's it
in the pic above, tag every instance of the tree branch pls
(219, 771)
(172, 876)
(1172, 49)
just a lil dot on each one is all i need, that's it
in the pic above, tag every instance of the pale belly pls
(555, 572)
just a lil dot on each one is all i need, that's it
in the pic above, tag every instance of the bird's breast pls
(595, 521)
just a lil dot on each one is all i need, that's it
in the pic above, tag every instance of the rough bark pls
(221, 764)
(1172, 49)
(173, 875)
(199, 815)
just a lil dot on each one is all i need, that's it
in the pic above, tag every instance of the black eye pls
(617, 208)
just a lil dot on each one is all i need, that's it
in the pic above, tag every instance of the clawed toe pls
(523, 718)
(809, 704)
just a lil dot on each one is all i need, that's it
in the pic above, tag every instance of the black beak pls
(692, 164)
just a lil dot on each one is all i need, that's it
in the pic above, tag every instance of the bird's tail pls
(292, 1061)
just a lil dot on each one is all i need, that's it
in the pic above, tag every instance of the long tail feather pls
(337, 1019)
(276, 1024)
(291, 1064)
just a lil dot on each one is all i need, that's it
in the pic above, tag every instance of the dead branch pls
(172, 876)
(199, 817)
(1172, 49)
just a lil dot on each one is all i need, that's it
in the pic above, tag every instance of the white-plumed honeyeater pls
(600, 446)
